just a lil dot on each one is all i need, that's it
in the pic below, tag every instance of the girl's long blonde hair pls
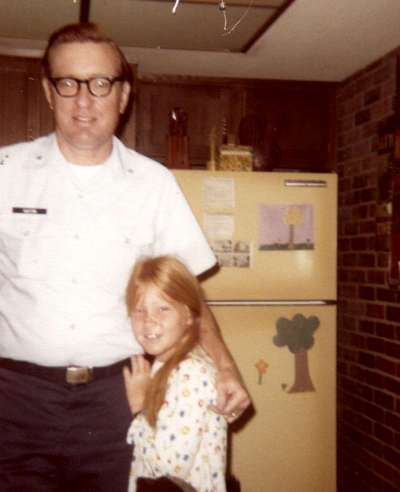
(176, 282)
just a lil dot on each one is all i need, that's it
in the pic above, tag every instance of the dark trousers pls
(61, 438)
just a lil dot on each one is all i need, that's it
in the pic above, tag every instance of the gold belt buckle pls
(79, 375)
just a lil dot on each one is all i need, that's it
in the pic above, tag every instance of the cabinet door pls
(13, 100)
(127, 128)
(24, 113)
(205, 105)
(303, 114)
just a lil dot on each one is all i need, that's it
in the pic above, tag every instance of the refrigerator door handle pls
(306, 182)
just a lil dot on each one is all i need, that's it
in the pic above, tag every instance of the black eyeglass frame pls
(112, 81)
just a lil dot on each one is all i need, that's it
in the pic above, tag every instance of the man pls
(77, 210)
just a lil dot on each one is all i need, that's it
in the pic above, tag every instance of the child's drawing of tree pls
(292, 217)
(297, 334)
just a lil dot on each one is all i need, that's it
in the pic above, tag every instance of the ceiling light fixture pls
(222, 7)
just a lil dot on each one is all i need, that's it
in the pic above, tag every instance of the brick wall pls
(368, 311)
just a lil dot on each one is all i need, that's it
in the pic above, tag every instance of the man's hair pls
(176, 282)
(84, 32)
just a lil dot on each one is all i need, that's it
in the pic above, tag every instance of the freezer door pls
(274, 233)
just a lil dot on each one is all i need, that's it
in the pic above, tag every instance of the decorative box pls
(235, 158)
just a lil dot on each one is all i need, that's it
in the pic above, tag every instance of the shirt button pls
(74, 281)
(73, 326)
(77, 236)
(25, 233)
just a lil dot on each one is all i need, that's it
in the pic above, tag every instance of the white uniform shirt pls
(67, 248)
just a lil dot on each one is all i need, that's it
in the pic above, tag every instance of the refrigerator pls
(273, 296)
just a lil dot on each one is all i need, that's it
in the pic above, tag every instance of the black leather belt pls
(162, 484)
(71, 375)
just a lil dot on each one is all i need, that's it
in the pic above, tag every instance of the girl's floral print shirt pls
(189, 441)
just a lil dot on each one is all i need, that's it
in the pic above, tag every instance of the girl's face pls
(159, 322)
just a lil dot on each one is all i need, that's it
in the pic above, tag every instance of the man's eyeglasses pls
(98, 86)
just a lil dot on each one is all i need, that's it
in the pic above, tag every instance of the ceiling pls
(321, 40)
(206, 25)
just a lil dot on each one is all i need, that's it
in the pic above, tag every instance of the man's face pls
(85, 123)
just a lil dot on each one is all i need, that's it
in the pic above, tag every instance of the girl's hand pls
(137, 381)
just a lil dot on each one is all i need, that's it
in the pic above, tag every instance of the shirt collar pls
(112, 166)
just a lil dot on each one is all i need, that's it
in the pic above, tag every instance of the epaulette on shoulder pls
(4, 156)
(23, 152)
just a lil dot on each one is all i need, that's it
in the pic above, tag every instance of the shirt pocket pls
(140, 239)
(137, 240)
(23, 239)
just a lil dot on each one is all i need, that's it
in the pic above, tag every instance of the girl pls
(177, 438)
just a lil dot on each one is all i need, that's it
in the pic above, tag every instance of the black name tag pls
(29, 210)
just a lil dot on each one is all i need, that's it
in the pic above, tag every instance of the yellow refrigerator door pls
(289, 443)
(276, 232)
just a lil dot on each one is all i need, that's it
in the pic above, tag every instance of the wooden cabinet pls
(24, 113)
(206, 105)
(127, 128)
(302, 111)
